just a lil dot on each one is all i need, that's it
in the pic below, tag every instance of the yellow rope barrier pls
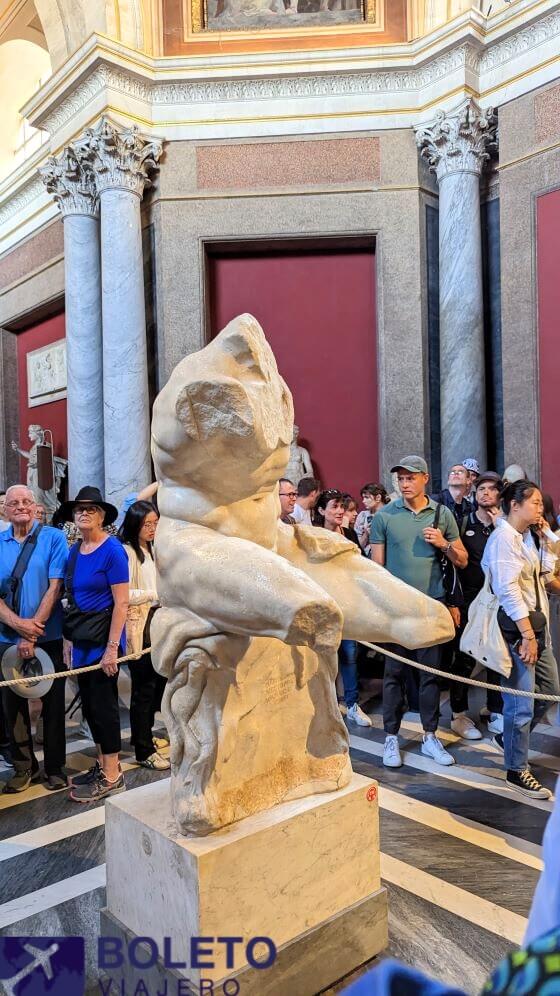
(73, 672)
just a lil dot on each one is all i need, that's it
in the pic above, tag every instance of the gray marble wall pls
(525, 172)
(9, 410)
(392, 212)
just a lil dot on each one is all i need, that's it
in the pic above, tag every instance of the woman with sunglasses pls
(97, 604)
(329, 513)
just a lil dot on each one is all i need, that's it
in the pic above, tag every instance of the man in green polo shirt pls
(404, 541)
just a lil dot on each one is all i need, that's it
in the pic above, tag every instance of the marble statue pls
(299, 464)
(253, 610)
(47, 498)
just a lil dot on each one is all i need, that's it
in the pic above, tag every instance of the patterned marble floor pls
(460, 853)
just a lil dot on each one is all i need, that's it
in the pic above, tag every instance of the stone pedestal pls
(305, 874)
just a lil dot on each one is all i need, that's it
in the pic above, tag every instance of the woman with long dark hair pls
(329, 513)
(519, 561)
(137, 535)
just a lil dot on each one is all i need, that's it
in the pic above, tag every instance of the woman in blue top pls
(97, 582)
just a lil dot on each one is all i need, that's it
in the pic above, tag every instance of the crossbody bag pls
(80, 626)
(451, 583)
(537, 618)
(12, 587)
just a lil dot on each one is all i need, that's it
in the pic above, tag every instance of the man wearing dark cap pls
(405, 541)
(475, 529)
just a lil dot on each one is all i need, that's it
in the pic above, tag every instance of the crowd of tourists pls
(480, 526)
(72, 597)
(83, 592)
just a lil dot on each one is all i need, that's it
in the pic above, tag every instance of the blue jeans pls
(521, 714)
(348, 667)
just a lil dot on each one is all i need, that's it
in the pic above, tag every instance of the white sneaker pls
(495, 723)
(463, 726)
(357, 715)
(432, 747)
(391, 753)
(156, 762)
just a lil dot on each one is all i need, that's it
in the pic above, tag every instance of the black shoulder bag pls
(537, 618)
(11, 589)
(80, 626)
(451, 583)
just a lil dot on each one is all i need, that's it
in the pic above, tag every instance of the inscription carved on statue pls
(253, 611)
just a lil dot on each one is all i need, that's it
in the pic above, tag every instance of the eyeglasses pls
(288, 494)
(87, 509)
(25, 503)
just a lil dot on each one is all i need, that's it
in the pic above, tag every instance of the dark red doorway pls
(317, 308)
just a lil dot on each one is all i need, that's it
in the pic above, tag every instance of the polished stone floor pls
(460, 853)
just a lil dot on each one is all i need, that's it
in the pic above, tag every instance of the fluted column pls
(456, 146)
(122, 161)
(73, 187)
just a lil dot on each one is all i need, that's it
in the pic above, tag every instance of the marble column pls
(122, 161)
(73, 186)
(456, 146)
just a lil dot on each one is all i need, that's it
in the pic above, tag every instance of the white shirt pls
(300, 514)
(511, 560)
(148, 591)
(4, 525)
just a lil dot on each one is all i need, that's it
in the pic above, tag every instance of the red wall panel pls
(53, 415)
(548, 289)
(317, 309)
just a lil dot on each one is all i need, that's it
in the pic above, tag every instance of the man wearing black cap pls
(475, 529)
(405, 540)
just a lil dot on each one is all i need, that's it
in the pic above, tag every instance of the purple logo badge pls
(33, 966)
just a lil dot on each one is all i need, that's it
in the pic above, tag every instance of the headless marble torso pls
(249, 628)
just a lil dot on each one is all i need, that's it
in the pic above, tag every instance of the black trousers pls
(100, 706)
(456, 662)
(396, 681)
(54, 733)
(145, 700)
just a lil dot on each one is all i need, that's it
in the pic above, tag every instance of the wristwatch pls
(112, 643)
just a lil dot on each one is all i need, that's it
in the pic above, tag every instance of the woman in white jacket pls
(519, 561)
(137, 534)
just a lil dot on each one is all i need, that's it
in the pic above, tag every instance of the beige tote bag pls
(482, 637)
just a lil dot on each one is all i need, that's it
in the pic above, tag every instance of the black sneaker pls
(98, 789)
(56, 781)
(498, 741)
(20, 782)
(527, 784)
(88, 776)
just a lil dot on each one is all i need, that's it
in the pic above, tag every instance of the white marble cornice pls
(264, 94)
(460, 142)
(71, 181)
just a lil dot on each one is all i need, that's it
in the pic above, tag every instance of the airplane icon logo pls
(34, 966)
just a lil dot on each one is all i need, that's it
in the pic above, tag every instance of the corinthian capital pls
(120, 159)
(459, 142)
(72, 184)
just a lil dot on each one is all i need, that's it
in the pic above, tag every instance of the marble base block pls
(305, 870)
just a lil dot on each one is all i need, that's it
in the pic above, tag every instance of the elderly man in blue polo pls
(32, 567)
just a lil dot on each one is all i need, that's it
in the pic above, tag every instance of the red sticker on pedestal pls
(371, 794)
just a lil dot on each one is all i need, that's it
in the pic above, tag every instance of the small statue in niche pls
(48, 497)
(299, 464)
(253, 611)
